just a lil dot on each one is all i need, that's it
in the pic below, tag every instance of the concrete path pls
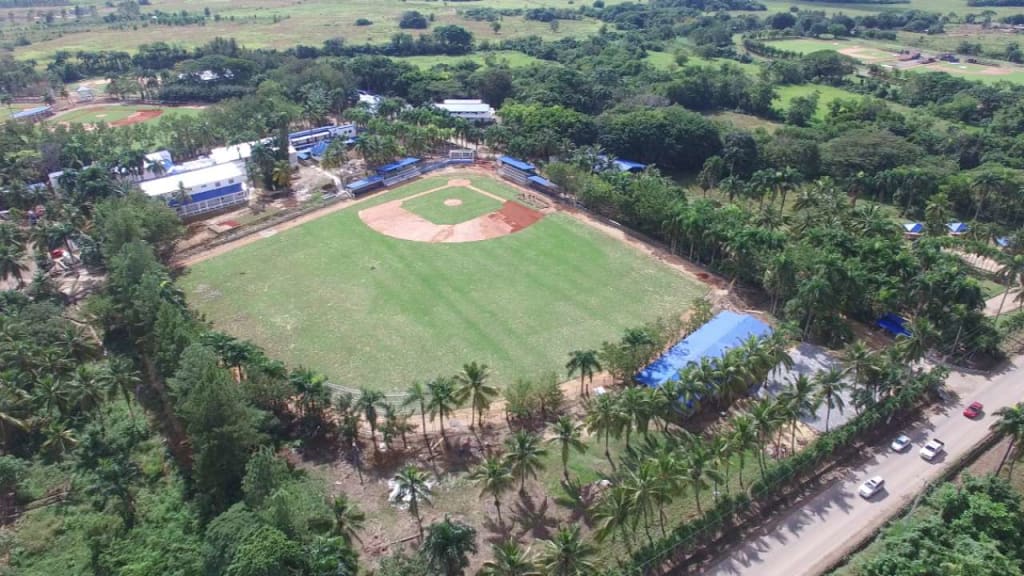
(809, 539)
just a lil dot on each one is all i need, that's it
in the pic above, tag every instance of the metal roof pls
(30, 112)
(194, 179)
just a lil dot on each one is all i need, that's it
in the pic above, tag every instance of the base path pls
(815, 536)
(391, 219)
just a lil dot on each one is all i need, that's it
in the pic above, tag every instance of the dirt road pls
(813, 537)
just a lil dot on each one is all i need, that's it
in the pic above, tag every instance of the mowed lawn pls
(433, 207)
(115, 112)
(370, 310)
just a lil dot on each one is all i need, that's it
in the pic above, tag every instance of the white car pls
(901, 443)
(933, 448)
(871, 486)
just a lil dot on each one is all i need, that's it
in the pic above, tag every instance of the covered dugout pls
(726, 330)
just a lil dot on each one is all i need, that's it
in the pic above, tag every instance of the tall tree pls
(509, 559)
(448, 546)
(831, 385)
(604, 419)
(585, 363)
(444, 399)
(1011, 425)
(368, 402)
(567, 436)
(800, 399)
(412, 486)
(418, 395)
(472, 382)
(495, 478)
(348, 518)
(567, 554)
(524, 456)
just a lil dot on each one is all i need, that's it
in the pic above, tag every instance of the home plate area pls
(393, 219)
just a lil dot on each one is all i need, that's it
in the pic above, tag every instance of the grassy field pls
(667, 61)
(433, 208)
(511, 58)
(370, 310)
(942, 6)
(115, 112)
(286, 23)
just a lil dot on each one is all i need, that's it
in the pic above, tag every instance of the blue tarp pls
(958, 227)
(542, 182)
(913, 228)
(893, 324)
(304, 155)
(724, 331)
(516, 163)
(395, 166)
(319, 148)
(1004, 242)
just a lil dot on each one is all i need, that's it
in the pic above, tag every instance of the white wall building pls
(209, 189)
(473, 110)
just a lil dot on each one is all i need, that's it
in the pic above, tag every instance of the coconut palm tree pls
(348, 519)
(567, 554)
(523, 454)
(495, 478)
(698, 468)
(281, 174)
(1011, 425)
(182, 195)
(586, 363)
(862, 362)
(635, 408)
(472, 386)
(11, 265)
(1012, 274)
(645, 490)
(800, 399)
(444, 400)
(567, 435)
(367, 403)
(830, 384)
(509, 559)
(418, 395)
(615, 514)
(120, 378)
(12, 401)
(743, 437)
(448, 546)
(767, 417)
(412, 486)
(604, 419)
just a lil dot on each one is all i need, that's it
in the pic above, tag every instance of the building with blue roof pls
(913, 229)
(726, 330)
(957, 228)
(388, 169)
(305, 139)
(37, 114)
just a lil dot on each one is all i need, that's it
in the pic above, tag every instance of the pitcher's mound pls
(453, 202)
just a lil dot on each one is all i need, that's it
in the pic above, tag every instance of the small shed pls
(957, 228)
(85, 93)
(913, 229)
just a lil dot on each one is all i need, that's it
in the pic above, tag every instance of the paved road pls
(809, 539)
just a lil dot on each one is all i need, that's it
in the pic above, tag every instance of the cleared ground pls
(370, 310)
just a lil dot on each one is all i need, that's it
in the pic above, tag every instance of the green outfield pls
(452, 205)
(118, 113)
(371, 310)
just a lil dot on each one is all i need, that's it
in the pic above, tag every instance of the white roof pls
(455, 106)
(194, 179)
(226, 154)
(83, 88)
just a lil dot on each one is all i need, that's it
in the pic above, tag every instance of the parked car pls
(933, 448)
(901, 443)
(974, 410)
(871, 486)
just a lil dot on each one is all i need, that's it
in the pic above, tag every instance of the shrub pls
(412, 20)
(363, 22)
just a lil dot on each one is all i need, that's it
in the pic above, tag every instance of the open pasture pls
(118, 114)
(372, 310)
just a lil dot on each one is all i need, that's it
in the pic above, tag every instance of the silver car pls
(901, 443)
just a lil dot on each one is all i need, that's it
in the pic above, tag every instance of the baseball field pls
(514, 287)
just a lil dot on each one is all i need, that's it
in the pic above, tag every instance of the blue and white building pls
(472, 110)
(209, 189)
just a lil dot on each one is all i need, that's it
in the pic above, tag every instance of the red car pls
(974, 410)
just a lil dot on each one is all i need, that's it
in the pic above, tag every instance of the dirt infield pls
(138, 117)
(391, 219)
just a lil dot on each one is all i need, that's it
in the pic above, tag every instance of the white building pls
(85, 94)
(208, 189)
(371, 101)
(473, 110)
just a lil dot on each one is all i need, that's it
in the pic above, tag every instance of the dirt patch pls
(865, 54)
(138, 117)
(453, 202)
(391, 219)
(455, 182)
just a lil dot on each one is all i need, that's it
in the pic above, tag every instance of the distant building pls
(472, 110)
(33, 115)
(308, 138)
(85, 94)
(371, 101)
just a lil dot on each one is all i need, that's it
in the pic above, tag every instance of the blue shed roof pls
(516, 163)
(542, 182)
(404, 162)
(364, 183)
(913, 227)
(1004, 241)
(30, 112)
(724, 331)
(628, 166)
(958, 227)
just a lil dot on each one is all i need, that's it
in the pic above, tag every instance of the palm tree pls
(120, 378)
(1012, 274)
(495, 478)
(448, 546)
(567, 554)
(831, 385)
(11, 265)
(767, 418)
(604, 419)
(862, 362)
(281, 175)
(645, 490)
(412, 485)
(567, 434)
(472, 382)
(443, 400)
(524, 454)
(12, 400)
(698, 469)
(1011, 425)
(615, 514)
(367, 403)
(182, 195)
(743, 437)
(418, 394)
(914, 347)
(509, 559)
(348, 519)
(800, 399)
(586, 363)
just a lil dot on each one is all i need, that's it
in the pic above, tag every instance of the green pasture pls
(988, 74)
(433, 208)
(667, 61)
(860, 9)
(370, 310)
(511, 58)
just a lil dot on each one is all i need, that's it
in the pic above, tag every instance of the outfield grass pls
(511, 58)
(433, 208)
(370, 310)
